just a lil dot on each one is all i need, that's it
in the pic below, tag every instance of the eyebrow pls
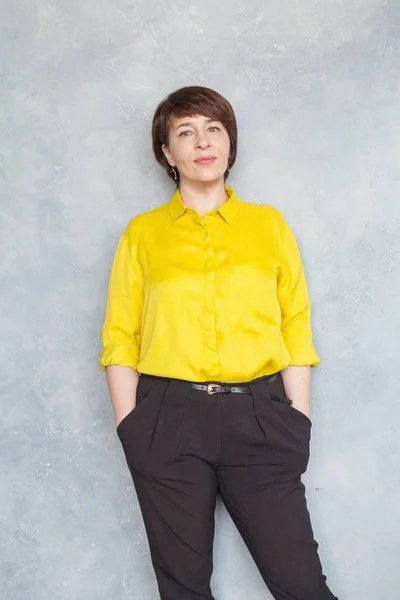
(189, 123)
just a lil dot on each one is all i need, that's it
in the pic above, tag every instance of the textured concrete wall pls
(315, 85)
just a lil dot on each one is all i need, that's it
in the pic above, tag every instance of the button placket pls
(210, 333)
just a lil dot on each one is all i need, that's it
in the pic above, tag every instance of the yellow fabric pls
(220, 298)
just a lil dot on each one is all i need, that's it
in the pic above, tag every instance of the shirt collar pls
(228, 210)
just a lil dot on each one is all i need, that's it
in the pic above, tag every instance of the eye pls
(215, 127)
(183, 133)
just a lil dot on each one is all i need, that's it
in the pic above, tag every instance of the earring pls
(175, 173)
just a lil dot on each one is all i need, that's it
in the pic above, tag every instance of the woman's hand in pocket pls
(122, 412)
(301, 408)
(122, 384)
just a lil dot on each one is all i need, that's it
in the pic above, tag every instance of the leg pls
(260, 484)
(176, 493)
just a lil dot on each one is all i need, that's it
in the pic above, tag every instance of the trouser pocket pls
(146, 385)
(288, 430)
(280, 399)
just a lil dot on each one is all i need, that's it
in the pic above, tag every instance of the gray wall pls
(315, 85)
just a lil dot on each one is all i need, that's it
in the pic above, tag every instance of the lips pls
(205, 160)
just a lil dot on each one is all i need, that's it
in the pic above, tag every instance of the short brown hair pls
(186, 102)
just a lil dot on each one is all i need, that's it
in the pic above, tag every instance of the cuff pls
(123, 355)
(302, 351)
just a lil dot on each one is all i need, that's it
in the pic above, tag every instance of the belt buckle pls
(210, 387)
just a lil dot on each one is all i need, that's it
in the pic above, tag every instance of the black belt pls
(216, 388)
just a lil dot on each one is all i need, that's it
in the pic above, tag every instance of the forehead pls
(196, 118)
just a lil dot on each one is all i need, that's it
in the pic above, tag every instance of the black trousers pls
(184, 446)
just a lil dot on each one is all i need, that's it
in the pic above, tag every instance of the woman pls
(208, 351)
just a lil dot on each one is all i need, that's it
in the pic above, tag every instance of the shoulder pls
(263, 214)
(145, 223)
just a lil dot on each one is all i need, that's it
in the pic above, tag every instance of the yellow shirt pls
(220, 298)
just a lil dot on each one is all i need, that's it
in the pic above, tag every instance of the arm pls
(295, 322)
(122, 383)
(121, 331)
(296, 381)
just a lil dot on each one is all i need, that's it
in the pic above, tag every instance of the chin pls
(208, 176)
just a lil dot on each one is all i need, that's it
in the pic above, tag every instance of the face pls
(198, 147)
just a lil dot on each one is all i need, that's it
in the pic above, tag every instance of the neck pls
(203, 197)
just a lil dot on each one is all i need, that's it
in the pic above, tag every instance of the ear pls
(168, 155)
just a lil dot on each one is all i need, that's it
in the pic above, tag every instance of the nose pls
(202, 141)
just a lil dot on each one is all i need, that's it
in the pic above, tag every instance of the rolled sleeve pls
(121, 331)
(294, 302)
